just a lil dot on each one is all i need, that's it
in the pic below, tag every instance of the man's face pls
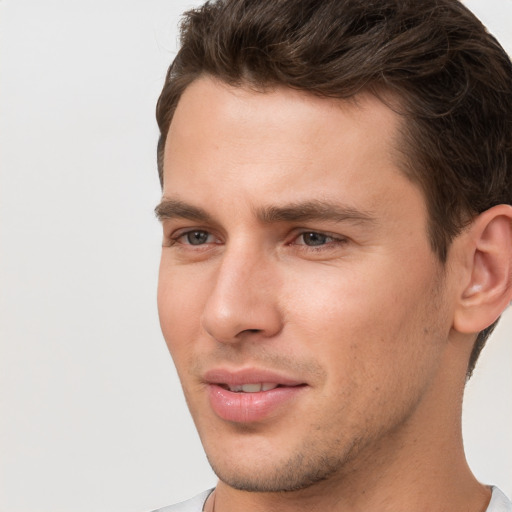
(300, 299)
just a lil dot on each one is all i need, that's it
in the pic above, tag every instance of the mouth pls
(247, 380)
(249, 396)
(251, 388)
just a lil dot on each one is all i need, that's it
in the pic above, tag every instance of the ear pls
(488, 288)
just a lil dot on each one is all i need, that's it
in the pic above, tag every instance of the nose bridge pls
(244, 296)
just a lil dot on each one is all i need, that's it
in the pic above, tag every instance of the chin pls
(296, 473)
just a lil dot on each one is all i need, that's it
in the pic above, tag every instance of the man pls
(337, 247)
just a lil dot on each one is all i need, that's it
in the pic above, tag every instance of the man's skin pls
(296, 253)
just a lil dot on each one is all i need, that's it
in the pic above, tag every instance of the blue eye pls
(314, 239)
(196, 237)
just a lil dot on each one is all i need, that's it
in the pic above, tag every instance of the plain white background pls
(92, 416)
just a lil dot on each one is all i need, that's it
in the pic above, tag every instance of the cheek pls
(365, 323)
(334, 302)
(179, 306)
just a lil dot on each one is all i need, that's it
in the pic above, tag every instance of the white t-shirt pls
(499, 503)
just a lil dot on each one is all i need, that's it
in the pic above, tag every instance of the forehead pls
(280, 143)
(272, 109)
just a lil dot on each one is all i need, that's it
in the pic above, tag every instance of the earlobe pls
(488, 290)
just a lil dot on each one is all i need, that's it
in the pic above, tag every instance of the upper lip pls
(239, 377)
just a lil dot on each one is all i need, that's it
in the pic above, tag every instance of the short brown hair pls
(452, 79)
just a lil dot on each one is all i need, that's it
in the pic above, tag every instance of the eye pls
(313, 239)
(196, 237)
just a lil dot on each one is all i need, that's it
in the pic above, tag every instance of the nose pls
(244, 300)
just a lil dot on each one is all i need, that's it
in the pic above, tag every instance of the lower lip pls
(250, 407)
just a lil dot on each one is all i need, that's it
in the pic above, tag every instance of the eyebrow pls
(294, 212)
(174, 208)
(312, 211)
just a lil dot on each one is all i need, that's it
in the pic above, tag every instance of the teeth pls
(253, 388)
